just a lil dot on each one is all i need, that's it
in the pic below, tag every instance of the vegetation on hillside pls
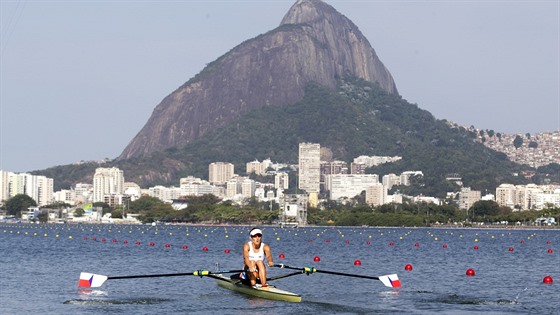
(357, 119)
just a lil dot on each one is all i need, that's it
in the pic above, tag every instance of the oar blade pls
(391, 281)
(90, 280)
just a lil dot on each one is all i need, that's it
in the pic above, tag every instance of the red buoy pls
(550, 251)
(444, 245)
(511, 249)
(408, 267)
(316, 258)
(547, 280)
(85, 238)
(548, 242)
(328, 241)
(114, 240)
(152, 244)
(476, 247)
(205, 248)
(368, 242)
(416, 245)
(125, 242)
(391, 244)
(281, 256)
(226, 251)
(94, 238)
(347, 242)
(104, 240)
(137, 242)
(470, 272)
(357, 262)
(185, 247)
(167, 245)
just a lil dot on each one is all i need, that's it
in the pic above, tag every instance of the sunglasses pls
(259, 235)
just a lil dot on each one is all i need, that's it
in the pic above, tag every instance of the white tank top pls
(256, 256)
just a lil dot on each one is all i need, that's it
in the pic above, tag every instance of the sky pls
(79, 79)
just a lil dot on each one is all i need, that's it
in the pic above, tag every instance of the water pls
(41, 265)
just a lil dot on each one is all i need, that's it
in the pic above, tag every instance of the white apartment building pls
(107, 182)
(233, 187)
(166, 194)
(370, 161)
(391, 180)
(248, 187)
(376, 194)
(66, 196)
(192, 186)
(257, 167)
(468, 197)
(220, 172)
(309, 159)
(348, 185)
(4, 186)
(39, 188)
(527, 197)
(281, 181)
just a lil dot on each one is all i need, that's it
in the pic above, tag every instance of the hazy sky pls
(79, 79)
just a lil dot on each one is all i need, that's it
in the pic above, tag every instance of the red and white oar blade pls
(90, 280)
(391, 281)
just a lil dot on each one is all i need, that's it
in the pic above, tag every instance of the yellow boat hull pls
(270, 293)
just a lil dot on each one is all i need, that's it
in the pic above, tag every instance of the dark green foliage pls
(18, 203)
(517, 142)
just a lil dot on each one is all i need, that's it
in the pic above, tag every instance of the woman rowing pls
(254, 253)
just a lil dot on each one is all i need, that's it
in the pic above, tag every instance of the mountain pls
(315, 78)
(314, 43)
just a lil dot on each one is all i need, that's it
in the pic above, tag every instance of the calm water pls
(40, 267)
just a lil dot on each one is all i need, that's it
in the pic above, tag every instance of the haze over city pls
(79, 79)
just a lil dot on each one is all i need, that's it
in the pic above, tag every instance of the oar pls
(91, 280)
(391, 281)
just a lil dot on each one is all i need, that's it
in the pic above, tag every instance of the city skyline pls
(494, 65)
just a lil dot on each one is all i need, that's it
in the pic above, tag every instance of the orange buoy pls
(408, 267)
(357, 262)
(470, 272)
(316, 258)
(281, 256)
(547, 280)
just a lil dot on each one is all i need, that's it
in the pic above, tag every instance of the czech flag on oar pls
(89, 280)
(391, 281)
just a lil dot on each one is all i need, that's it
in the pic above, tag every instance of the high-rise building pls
(376, 194)
(281, 181)
(106, 182)
(220, 172)
(468, 197)
(309, 167)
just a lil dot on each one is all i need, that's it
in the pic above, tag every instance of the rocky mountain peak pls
(314, 43)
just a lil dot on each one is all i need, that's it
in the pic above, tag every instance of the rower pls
(254, 253)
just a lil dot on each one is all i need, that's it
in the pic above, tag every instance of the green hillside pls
(356, 119)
